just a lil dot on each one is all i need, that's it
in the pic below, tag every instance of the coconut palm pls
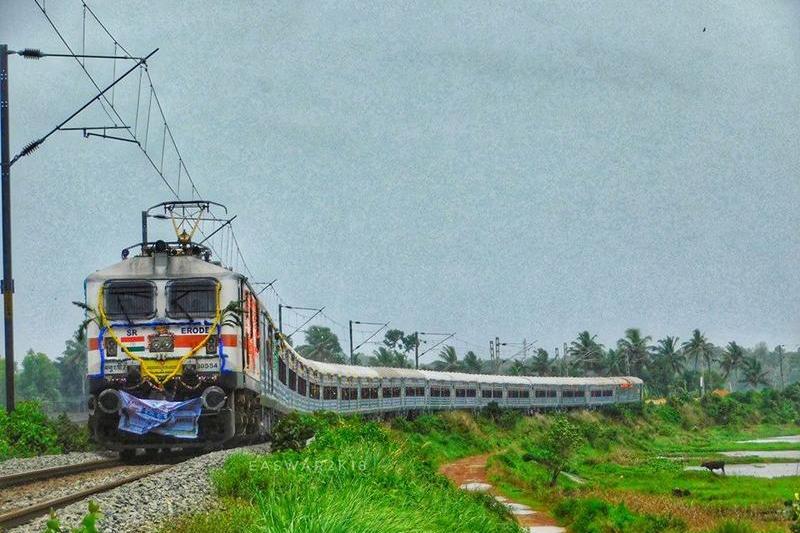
(731, 360)
(698, 348)
(670, 355)
(384, 357)
(541, 364)
(517, 368)
(613, 365)
(586, 352)
(448, 360)
(471, 363)
(635, 350)
(753, 374)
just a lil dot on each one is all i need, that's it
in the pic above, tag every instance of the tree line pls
(668, 365)
(58, 384)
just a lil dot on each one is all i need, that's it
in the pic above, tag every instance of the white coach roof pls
(379, 373)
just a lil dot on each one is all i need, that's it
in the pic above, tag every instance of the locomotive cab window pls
(191, 298)
(129, 300)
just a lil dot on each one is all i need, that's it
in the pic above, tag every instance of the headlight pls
(109, 401)
(110, 347)
(213, 398)
(212, 344)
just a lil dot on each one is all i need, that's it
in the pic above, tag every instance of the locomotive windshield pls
(128, 300)
(191, 298)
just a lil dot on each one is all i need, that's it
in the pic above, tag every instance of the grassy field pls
(354, 477)
(634, 457)
(365, 476)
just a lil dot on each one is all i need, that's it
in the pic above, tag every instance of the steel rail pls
(23, 478)
(17, 517)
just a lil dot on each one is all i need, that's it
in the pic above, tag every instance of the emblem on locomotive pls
(163, 340)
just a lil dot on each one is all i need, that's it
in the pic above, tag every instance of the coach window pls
(349, 393)
(328, 393)
(282, 370)
(191, 298)
(471, 393)
(369, 393)
(129, 300)
(301, 386)
(292, 379)
(391, 392)
(313, 391)
(497, 393)
(486, 393)
(415, 391)
(440, 392)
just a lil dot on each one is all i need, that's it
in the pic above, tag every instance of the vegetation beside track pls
(27, 432)
(355, 477)
(633, 456)
(361, 476)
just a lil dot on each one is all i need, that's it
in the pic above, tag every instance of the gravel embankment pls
(48, 489)
(143, 505)
(15, 466)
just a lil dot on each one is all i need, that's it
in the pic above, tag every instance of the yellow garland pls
(104, 322)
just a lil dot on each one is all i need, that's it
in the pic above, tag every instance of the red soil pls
(473, 470)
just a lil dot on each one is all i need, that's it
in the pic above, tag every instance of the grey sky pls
(517, 169)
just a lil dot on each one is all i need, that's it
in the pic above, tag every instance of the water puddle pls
(776, 454)
(787, 438)
(765, 470)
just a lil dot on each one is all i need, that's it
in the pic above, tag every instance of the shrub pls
(71, 437)
(293, 431)
(669, 413)
(595, 516)
(87, 525)
(26, 432)
(733, 527)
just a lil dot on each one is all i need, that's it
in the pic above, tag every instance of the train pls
(182, 353)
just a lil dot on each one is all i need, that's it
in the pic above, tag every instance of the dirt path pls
(470, 474)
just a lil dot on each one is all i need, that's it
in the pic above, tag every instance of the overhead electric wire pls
(104, 98)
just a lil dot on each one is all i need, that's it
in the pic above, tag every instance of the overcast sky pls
(521, 170)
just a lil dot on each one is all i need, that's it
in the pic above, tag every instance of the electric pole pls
(352, 349)
(7, 286)
(351, 342)
(416, 350)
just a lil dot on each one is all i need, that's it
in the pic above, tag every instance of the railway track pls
(28, 495)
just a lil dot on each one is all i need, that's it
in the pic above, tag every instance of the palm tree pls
(471, 363)
(384, 357)
(699, 347)
(613, 363)
(731, 361)
(517, 368)
(672, 357)
(541, 364)
(635, 350)
(754, 375)
(586, 352)
(448, 360)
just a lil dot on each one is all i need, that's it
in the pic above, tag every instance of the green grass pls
(621, 459)
(361, 476)
(353, 478)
